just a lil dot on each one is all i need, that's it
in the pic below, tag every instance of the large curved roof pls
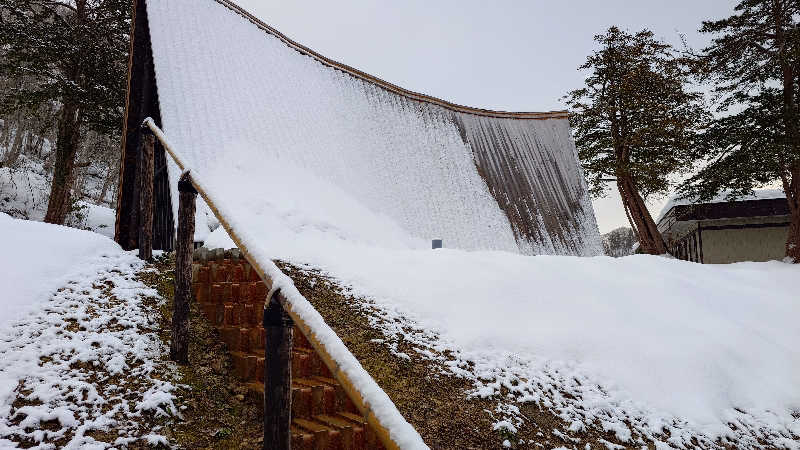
(229, 89)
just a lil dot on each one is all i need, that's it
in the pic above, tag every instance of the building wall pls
(733, 243)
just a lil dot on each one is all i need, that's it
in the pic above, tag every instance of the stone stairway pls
(231, 295)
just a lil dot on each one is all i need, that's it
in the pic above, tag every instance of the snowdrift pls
(38, 258)
(233, 92)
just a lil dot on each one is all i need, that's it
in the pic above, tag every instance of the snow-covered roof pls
(243, 101)
(722, 197)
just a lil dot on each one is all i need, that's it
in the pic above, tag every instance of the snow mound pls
(38, 258)
(79, 349)
(99, 219)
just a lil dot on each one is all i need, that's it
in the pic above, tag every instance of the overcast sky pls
(514, 55)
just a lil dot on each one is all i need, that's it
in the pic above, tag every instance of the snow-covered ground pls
(658, 343)
(38, 258)
(78, 353)
(645, 345)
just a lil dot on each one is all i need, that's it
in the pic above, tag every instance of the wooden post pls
(277, 376)
(146, 169)
(184, 247)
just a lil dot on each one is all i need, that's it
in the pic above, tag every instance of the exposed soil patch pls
(435, 402)
(218, 414)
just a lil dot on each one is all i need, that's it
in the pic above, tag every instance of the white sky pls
(515, 55)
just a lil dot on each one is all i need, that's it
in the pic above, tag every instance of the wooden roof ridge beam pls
(302, 49)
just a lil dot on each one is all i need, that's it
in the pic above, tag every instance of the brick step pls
(251, 292)
(249, 366)
(301, 439)
(247, 340)
(337, 431)
(252, 339)
(233, 314)
(225, 271)
(303, 405)
(312, 397)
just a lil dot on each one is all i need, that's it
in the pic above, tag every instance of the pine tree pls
(754, 61)
(72, 53)
(635, 122)
(619, 242)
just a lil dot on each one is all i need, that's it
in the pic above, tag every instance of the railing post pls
(179, 349)
(277, 375)
(146, 170)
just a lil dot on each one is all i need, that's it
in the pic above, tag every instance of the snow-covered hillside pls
(658, 343)
(79, 353)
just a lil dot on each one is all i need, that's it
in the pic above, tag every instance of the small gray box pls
(436, 243)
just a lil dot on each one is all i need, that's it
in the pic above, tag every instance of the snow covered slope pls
(80, 357)
(38, 258)
(230, 93)
(642, 344)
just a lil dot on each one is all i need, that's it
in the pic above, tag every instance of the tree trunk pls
(64, 169)
(792, 189)
(179, 348)
(19, 142)
(793, 240)
(9, 125)
(107, 181)
(650, 240)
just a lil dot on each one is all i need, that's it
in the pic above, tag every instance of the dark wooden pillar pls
(179, 350)
(145, 184)
(277, 376)
(700, 241)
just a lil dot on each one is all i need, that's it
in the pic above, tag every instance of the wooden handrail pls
(325, 353)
